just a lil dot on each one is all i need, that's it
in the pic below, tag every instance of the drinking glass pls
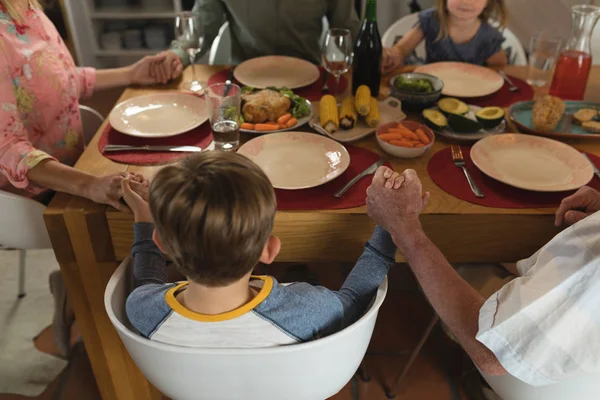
(337, 53)
(543, 53)
(224, 104)
(189, 34)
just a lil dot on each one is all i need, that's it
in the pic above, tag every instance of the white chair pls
(511, 45)
(91, 120)
(510, 388)
(22, 227)
(310, 371)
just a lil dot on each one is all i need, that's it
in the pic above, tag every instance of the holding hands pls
(159, 68)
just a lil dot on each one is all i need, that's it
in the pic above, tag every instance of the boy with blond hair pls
(213, 216)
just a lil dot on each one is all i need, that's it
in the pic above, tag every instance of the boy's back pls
(214, 215)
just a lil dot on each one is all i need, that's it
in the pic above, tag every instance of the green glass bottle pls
(367, 52)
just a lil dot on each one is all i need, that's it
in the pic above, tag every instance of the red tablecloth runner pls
(200, 137)
(504, 97)
(321, 197)
(497, 195)
(311, 92)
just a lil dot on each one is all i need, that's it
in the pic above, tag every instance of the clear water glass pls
(224, 106)
(337, 53)
(189, 33)
(543, 53)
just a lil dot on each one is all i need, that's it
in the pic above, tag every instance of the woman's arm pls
(498, 60)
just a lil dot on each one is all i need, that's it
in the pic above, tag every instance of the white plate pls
(474, 136)
(277, 71)
(297, 160)
(390, 110)
(464, 80)
(301, 122)
(159, 115)
(532, 162)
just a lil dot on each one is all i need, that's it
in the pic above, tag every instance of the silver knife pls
(368, 171)
(184, 149)
(596, 171)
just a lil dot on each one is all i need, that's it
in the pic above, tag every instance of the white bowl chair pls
(511, 44)
(507, 387)
(22, 224)
(308, 371)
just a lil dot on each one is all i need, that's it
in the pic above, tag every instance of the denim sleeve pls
(307, 312)
(211, 14)
(150, 265)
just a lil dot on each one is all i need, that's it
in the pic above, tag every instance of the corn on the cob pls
(363, 100)
(328, 113)
(372, 119)
(347, 113)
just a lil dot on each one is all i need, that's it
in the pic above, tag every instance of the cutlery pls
(184, 149)
(229, 81)
(511, 85)
(325, 88)
(596, 171)
(459, 161)
(370, 170)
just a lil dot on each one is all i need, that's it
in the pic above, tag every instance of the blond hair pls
(213, 213)
(14, 11)
(495, 10)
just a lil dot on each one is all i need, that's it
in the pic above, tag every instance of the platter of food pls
(553, 117)
(454, 119)
(355, 117)
(273, 110)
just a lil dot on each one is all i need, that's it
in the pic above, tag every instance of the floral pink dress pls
(40, 87)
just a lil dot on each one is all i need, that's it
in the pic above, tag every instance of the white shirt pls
(545, 325)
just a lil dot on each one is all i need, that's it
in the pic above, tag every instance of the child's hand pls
(391, 59)
(135, 201)
(393, 180)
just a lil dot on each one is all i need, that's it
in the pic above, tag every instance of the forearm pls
(54, 175)
(149, 265)
(454, 300)
(114, 77)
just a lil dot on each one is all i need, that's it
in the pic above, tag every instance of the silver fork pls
(459, 161)
(511, 85)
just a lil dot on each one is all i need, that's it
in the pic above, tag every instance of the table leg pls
(81, 241)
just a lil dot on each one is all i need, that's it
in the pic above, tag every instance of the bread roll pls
(547, 113)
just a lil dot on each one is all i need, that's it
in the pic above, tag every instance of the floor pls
(402, 319)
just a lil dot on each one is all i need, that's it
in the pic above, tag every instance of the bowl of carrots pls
(406, 139)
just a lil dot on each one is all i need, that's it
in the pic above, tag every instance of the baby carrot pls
(391, 136)
(422, 136)
(420, 145)
(272, 123)
(248, 125)
(291, 122)
(265, 127)
(407, 133)
(282, 126)
(284, 119)
(401, 143)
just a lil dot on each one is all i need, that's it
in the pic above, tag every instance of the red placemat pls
(504, 97)
(311, 92)
(321, 197)
(200, 137)
(497, 195)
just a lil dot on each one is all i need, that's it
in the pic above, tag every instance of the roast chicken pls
(264, 105)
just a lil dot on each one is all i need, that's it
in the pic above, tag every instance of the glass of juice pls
(224, 103)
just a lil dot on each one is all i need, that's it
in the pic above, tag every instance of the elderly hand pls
(576, 207)
(395, 201)
(159, 68)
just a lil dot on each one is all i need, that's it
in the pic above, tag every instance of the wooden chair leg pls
(389, 390)
(21, 274)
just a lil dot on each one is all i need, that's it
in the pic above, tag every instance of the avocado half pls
(450, 105)
(435, 119)
(490, 117)
(462, 124)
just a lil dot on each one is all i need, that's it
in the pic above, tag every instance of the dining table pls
(89, 239)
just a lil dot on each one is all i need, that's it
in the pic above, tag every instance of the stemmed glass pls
(337, 53)
(189, 34)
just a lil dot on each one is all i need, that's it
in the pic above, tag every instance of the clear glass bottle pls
(575, 61)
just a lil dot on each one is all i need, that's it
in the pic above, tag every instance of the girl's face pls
(466, 9)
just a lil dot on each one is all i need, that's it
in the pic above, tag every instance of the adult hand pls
(139, 206)
(395, 202)
(154, 69)
(107, 189)
(391, 59)
(169, 68)
(576, 207)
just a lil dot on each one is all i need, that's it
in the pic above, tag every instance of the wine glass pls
(189, 34)
(337, 53)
